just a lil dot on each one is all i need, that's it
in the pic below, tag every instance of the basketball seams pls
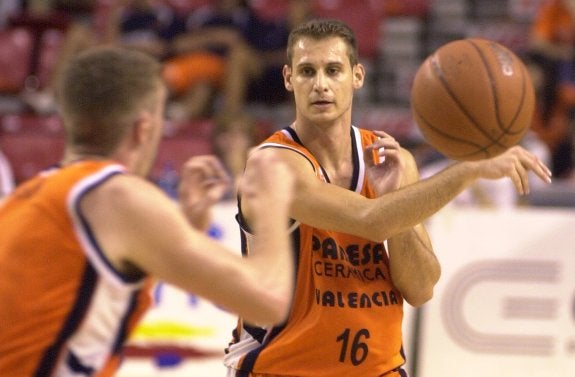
(492, 86)
(508, 130)
(521, 104)
(439, 75)
(495, 95)
(450, 104)
(431, 127)
(438, 71)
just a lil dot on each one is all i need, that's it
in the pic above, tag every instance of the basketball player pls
(79, 242)
(355, 189)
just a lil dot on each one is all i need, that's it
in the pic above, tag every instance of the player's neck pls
(71, 157)
(329, 134)
(330, 145)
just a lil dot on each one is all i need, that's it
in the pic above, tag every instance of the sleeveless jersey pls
(346, 314)
(64, 310)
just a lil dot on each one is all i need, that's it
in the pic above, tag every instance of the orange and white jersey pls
(64, 309)
(346, 314)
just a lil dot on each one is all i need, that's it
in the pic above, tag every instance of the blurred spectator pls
(74, 18)
(552, 34)
(551, 54)
(253, 47)
(555, 127)
(216, 58)
(146, 25)
(8, 9)
(254, 51)
(152, 26)
(233, 137)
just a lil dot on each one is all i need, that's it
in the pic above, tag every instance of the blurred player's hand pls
(203, 182)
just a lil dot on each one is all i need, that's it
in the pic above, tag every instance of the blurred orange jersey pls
(346, 314)
(64, 310)
(554, 23)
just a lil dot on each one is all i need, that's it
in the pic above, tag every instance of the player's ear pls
(358, 75)
(287, 74)
(142, 127)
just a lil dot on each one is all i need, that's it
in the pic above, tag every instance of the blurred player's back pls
(61, 315)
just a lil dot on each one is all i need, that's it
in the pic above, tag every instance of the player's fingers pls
(382, 133)
(534, 164)
(214, 167)
(542, 171)
(370, 156)
(516, 180)
(523, 179)
(194, 165)
(388, 155)
(385, 142)
(207, 167)
(382, 148)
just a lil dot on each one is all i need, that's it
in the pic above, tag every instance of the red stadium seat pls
(193, 138)
(184, 7)
(270, 9)
(363, 16)
(15, 58)
(30, 143)
(50, 44)
(33, 143)
(406, 7)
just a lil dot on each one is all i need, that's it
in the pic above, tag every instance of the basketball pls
(472, 99)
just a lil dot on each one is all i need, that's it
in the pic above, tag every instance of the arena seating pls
(32, 143)
(15, 58)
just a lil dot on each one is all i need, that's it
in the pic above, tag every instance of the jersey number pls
(358, 350)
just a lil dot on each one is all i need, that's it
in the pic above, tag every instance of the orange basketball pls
(472, 99)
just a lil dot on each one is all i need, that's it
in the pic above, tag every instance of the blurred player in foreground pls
(354, 190)
(81, 241)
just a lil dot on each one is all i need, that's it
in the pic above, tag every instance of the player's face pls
(322, 79)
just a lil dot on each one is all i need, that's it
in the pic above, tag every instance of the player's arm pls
(330, 207)
(413, 265)
(140, 229)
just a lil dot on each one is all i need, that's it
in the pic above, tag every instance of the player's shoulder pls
(123, 184)
(406, 153)
(125, 190)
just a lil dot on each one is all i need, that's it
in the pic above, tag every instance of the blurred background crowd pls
(222, 64)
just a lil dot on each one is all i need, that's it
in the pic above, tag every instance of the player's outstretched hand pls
(514, 163)
(203, 182)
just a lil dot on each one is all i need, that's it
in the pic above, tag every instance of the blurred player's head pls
(108, 96)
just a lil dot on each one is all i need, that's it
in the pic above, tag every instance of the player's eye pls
(307, 71)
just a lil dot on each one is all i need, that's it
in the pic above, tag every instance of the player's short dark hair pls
(324, 28)
(101, 89)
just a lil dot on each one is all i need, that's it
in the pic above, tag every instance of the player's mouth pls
(321, 104)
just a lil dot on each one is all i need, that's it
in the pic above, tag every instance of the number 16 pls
(358, 351)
